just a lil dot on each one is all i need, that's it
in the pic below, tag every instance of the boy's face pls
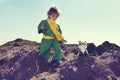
(53, 16)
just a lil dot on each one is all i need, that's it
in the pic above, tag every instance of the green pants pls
(46, 46)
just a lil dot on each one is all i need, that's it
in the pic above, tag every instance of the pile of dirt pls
(20, 60)
(105, 67)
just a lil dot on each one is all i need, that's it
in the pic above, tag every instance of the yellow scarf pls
(55, 28)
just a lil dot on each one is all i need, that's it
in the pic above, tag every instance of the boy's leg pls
(45, 48)
(57, 49)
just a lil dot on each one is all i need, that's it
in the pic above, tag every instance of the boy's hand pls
(42, 27)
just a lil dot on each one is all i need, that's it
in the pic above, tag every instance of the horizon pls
(65, 43)
(89, 20)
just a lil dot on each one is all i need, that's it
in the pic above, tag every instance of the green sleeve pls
(59, 29)
(39, 30)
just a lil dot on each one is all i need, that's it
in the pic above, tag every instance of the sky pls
(85, 20)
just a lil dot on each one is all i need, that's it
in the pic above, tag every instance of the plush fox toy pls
(83, 47)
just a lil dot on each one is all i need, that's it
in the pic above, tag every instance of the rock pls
(110, 46)
(18, 40)
(100, 50)
(2, 61)
(91, 49)
(16, 44)
(75, 51)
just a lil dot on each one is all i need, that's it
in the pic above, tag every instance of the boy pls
(52, 35)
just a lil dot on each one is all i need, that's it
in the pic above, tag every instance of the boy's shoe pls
(60, 61)
(56, 62)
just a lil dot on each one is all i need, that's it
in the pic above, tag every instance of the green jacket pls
(47, 31)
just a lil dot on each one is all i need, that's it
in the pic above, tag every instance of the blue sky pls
(86, 20)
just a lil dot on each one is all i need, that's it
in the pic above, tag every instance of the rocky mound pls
(20, 60)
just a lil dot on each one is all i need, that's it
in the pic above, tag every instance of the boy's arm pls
(40, 27)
